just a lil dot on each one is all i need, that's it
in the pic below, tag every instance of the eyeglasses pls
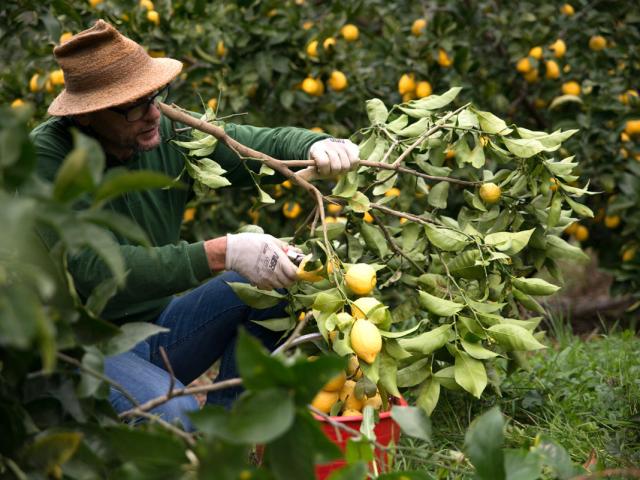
(139, 109)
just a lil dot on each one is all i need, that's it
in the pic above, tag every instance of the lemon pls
(443, 59)
(366, 340)
(567, 9)
(571, 88)
(418, 26)
(624, 137)
(628, 254)
(632, 127)
(375, 402)
(523, 65)
(582, 233)
(392, 192)
(571, 229)
(490, 193)
(212, 103)
(323, 400)
(559, 48)
(189, 214)
(317, 129)
(329, 43)
(612, 221)
(308, 275)
(361, 278)
(350, 412)
(34, 85)
(310, 86)
(552, 70)
(531, 76)
(403, 220)
(287, 184)
(597, 43)
(344, 321)
(147, 4)
(17, 103)
(406, 84)
(423, 89)
(336, 383)
(408, 97)
(625, 97)
(153, 17)
(348, 396)
(291, 209)
(367, 217)
(350, 32)
(312, 49)
(337, 81)
(361, 307)
(65, 37)
(536, 52)
(334, 209)
(308, 25)
(554, 185)
(353, 368)
(56, 77)
(95, 3)
(221, 50)
(449, 153)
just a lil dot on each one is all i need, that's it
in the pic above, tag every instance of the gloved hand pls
(334, 156)
(261, 259)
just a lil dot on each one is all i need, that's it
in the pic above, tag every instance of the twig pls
(187, 437)
(295, 334)
(394, 246)
(99, 375)
(169, 368)
(408, 216)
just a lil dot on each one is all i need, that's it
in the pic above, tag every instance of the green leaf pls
(89, 384)
(388, 373)
(413, 421)
(207, 172)
(476, 157)
(557, 458)
(428, 395)
(376, 111)
(534, 286)
(492, 124)
(374, 239)
(254, 296)
(52, 449)
(526, 147)
(415, 129)
(559, 249)
(580, 209)
(477, 351)
(563, 99)
(256, 417)
(347, 185)
(415, 373)
(73, 177)
(446, 239)
(355, 469)
(276, 324)
(130, 335)
(483, 445)
(258, 369)
(433, 102)
(439, 306)
(470, 374)
(359, 202)
(508, 242)
(123, 180)
(398, 124)
(446, 377)
(554, 211)
(513, 337)
(522, 465)
(427, 342)
(329, 301)
(438, 195)
(117, 223)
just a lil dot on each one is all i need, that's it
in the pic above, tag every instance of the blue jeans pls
(202, 324)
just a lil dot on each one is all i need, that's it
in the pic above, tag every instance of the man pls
(112, 89)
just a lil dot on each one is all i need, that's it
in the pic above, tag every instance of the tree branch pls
(394, 246)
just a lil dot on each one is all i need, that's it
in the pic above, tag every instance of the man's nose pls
(153, 113)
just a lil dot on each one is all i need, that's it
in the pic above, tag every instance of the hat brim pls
(157, 73)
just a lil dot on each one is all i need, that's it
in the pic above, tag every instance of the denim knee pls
(178, 409)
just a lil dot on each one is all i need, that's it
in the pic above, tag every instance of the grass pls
(582, 393)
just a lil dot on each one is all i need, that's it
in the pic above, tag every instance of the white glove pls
(334, 156)
(261, 259)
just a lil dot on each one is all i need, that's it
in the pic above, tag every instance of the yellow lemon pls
(291, 209)
(443, 59)
(308, 275)
(48, 86)
(65, 37)
(612, 221)
(566, 68)
(559, 48)
(350, 32)
(531, 76)
(307, 25)
(329, 43)
(348, 396)
(554, 185)
(624, 137)
(423, 89)
(490, 193)
(361, 278)
(310, 86)
(323, 400)
(571, 88)
(567, 9)
(212, 103)
(189, 214)
(353, 368)
(418, 26)
(56, 77)
(449, 153)
(552, 70)
(632, 127)
(317, 129)
(626, 96)
(147, 4)
(350, 412)
(312, 49)
(337, 81)
(375, 402)
(571, 229)
(523, 65)
(287, 184)
(582, 233)
(334, 209)
(95, 3)
(406, 84)
(392, 192)
(536, 52)
(408, 96)
(628, 254)
(153, 17)
(363, 305)
(18, 102)
(34, 85)
(221, 50)
(367, 217)
(366, 340)
(336, 383)
(597, 43)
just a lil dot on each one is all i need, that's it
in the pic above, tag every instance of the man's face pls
(121, 137)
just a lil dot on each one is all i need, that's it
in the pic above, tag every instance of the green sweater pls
(171, 265)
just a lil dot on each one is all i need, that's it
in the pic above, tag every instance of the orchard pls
(499, 150)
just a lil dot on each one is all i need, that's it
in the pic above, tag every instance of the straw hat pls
(103, 68)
